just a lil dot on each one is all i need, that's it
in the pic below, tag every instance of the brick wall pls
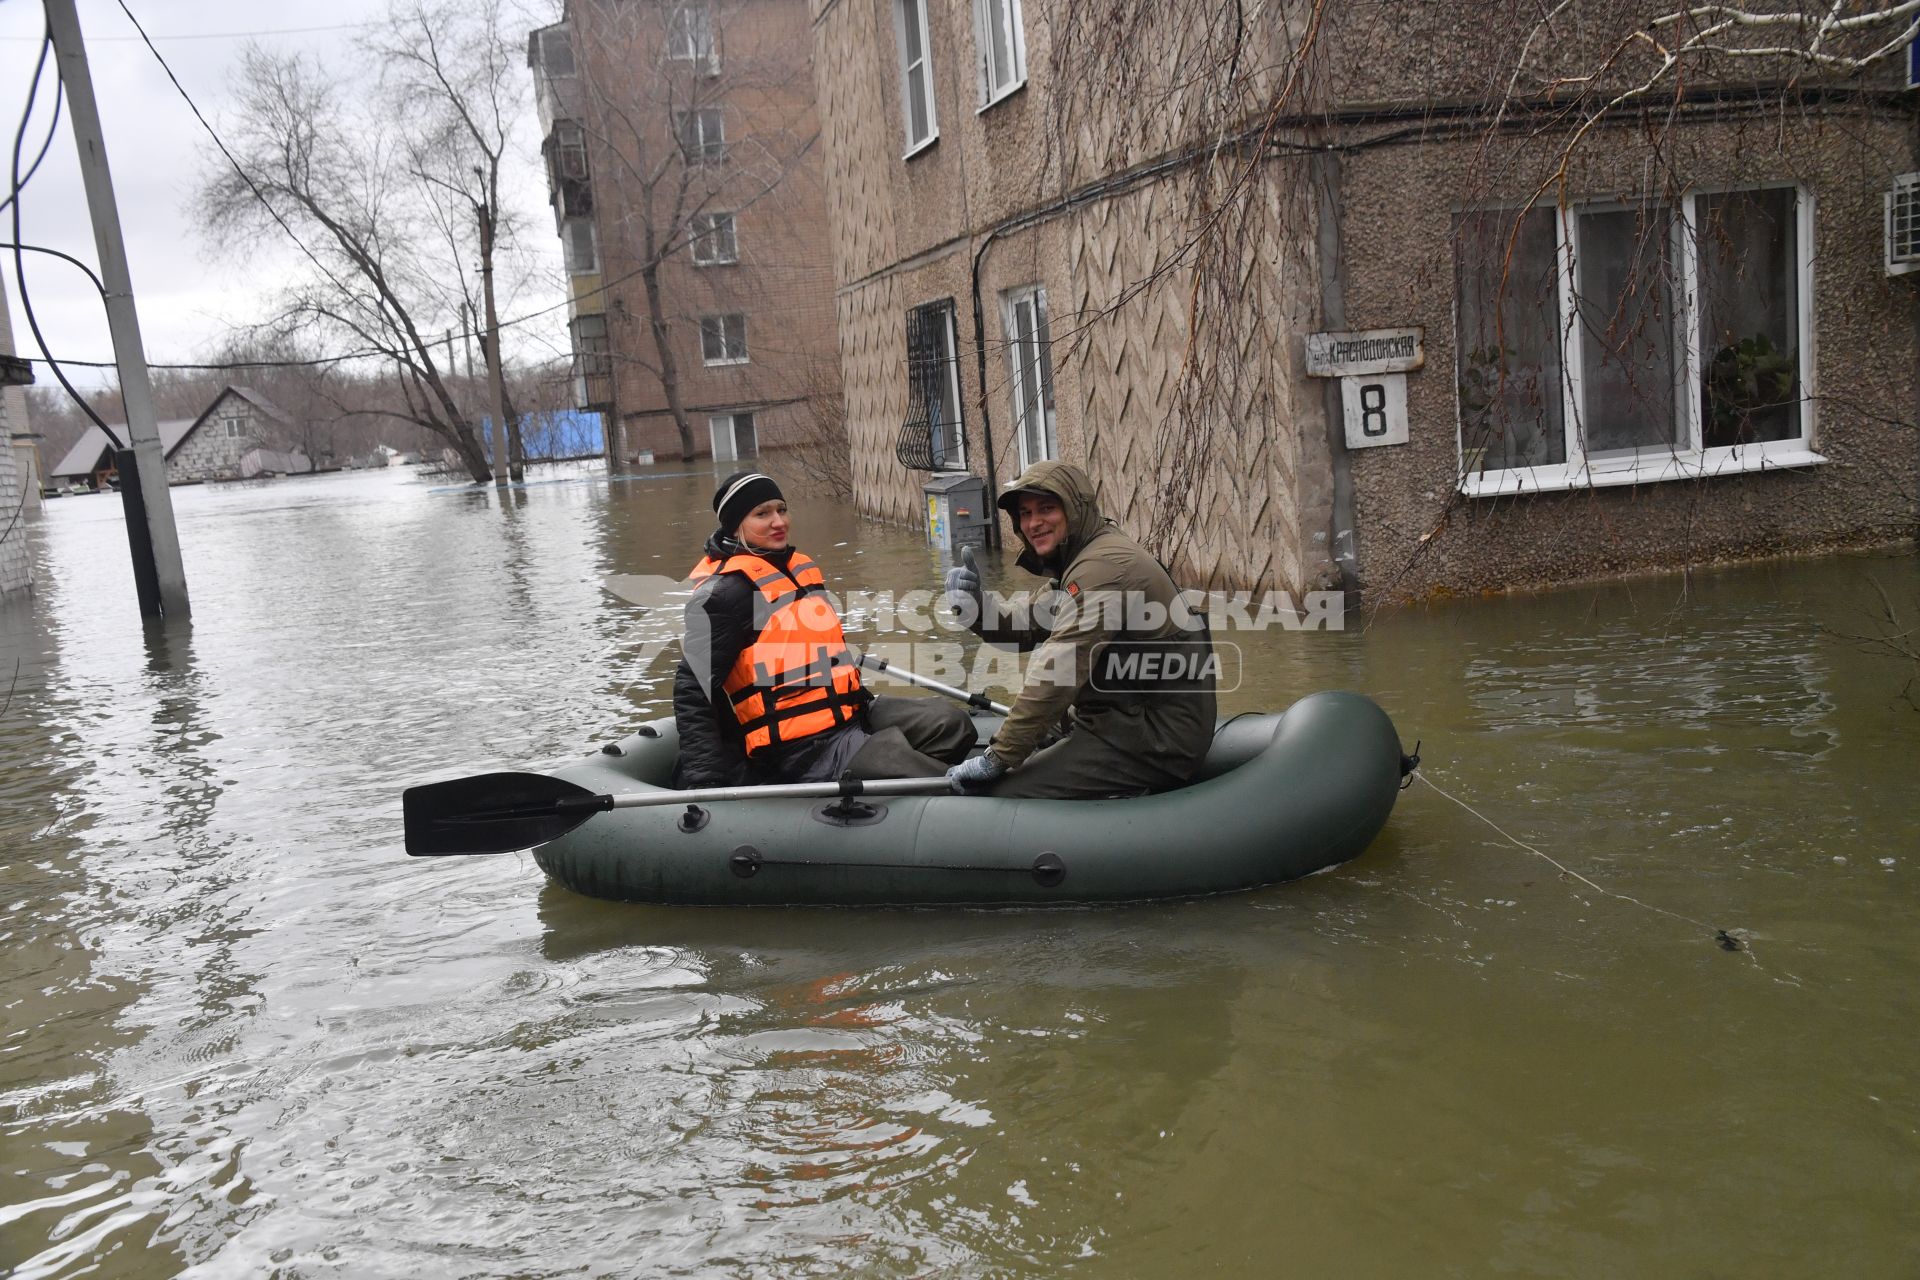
(14, 570)
(15, 502)
(770, 181)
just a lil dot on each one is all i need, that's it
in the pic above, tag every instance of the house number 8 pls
(1373, 409)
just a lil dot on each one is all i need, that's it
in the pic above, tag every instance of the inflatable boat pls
(1280, 796)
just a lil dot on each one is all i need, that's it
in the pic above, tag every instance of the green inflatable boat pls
(1280, 797)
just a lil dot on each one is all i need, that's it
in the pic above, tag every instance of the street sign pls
(1341, 355)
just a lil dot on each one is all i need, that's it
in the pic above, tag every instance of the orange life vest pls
(797, 678)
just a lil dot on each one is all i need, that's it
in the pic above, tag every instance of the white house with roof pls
(214, 446)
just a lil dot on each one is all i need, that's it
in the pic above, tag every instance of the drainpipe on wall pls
(980, 362)
(1324, 171)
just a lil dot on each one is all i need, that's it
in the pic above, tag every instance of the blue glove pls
(977, 774)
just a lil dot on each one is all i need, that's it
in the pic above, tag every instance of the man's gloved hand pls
(963, 585)
(977, 774)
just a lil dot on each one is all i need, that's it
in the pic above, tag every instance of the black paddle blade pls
(494, 813)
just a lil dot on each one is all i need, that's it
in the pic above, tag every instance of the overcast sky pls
(188, 294)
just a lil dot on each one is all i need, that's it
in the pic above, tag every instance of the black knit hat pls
(740, 493)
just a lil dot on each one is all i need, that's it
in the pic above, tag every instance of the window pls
(733, 436)
(592, 362)
(1622, 343)
(690, 37)
(234, 426)
(723, 339)
(702, 134)
(916, 73)
(713, 241)
(932, 437)
(568, 187)
(1003, 48)
(1030, 350)
(551, 51)
(569, 151)
(580, 246)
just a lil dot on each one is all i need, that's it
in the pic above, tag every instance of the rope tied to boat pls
(1725, 939)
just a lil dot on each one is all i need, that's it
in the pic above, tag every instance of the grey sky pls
(189, 295)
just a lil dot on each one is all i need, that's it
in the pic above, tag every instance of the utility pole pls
(491, 350)
(152, 523)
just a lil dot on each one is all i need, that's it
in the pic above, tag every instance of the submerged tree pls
(390, 180)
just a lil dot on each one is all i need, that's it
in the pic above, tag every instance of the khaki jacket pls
(1105, 592)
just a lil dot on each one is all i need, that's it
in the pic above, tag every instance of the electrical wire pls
(19, 249)
(59, 98)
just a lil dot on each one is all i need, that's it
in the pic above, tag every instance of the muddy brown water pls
(242, 1034)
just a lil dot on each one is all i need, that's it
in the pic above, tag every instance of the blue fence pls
(563, 433)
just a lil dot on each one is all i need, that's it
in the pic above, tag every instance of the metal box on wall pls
(957, 510)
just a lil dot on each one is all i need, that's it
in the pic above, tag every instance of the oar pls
(979, 701)
(501, 812)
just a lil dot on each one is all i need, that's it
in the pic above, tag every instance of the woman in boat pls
(767, 690)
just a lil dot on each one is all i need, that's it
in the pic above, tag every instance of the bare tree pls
(391, 183)
(664, 88)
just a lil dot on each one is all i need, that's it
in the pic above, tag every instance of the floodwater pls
(244, 1035)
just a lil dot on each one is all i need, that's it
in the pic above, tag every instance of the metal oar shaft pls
(979, 700)
(785, 791)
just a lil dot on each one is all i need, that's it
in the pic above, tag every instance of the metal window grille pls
(926, 441)
(1903, 225)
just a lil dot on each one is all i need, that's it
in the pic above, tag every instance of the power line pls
(15, 182)
(217, 35)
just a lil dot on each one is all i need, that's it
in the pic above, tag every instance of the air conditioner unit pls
(1903, 225)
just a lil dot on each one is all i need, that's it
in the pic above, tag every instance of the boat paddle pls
(503, 812)
(978, 701)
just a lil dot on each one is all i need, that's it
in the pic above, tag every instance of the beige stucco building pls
(685, 178)
(1657, 334)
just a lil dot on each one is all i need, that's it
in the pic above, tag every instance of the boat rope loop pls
(1722, 938)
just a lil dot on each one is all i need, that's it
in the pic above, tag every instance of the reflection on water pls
(244, 1035)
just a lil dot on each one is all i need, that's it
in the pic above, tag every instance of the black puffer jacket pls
(720, 625)
(713, 751)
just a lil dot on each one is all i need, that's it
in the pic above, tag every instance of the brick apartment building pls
(1599, 336)
(685, 173)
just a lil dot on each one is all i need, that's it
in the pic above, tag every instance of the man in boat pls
(1124, 666)
(767, 690)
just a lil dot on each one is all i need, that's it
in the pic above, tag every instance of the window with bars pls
(1903, 225)
(932, 438)
(723, 339)
(702, 135)
(713, 239)
(1615, 343)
